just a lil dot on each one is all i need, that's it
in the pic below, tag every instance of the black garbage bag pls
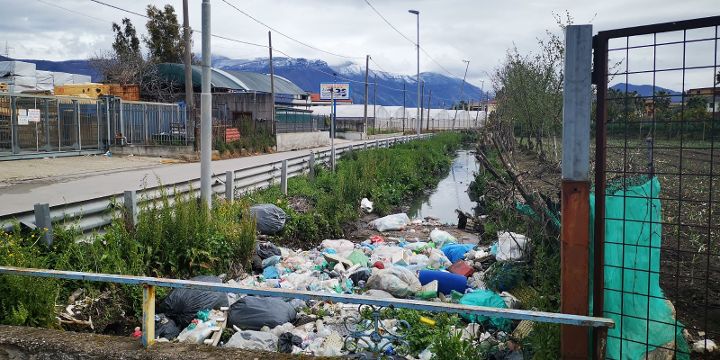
(165, 327)
(266, 249)
(361, 274)
(269, 218)
(254, 312)
(286, 342)
(181, 305)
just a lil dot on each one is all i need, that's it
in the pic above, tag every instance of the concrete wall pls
(301, 140)
(154, 150)
(351, 135)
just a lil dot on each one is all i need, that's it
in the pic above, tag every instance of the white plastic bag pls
(391, 222)
(253, 340)
(398, 281)
(511, 246)
(366, 205)
(341, 246)
(440, 237)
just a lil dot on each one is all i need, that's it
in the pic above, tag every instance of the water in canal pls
(451, 193)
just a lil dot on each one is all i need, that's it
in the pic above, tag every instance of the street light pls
(467, 62)
(417, 47)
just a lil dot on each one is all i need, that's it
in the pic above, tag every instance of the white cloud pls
(451, 30)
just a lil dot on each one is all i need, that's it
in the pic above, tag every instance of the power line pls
(288, 36)
(194, 31)
(73, 11)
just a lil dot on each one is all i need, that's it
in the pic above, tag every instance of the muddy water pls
(451, 193)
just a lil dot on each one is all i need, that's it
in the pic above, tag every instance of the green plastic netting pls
(633, 235)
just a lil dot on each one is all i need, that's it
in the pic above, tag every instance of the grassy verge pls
(179, 240)
(386, 176)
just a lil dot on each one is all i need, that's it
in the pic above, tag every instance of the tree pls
(164, 40)
(126, 44)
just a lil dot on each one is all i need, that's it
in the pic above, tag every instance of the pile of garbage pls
(436, 268)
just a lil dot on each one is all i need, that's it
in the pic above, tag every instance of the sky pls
(450, 30)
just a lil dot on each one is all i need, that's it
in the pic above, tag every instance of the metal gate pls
(657, 229)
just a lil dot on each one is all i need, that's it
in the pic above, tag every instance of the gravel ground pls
(35, 343)
(67, 168)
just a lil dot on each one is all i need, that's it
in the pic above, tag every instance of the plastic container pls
(447, 282)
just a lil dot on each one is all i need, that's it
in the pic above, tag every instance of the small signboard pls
(341, 90)
(33, 115)
(22, 117)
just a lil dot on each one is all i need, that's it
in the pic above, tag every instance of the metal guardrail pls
(149, 284)
(92, 215)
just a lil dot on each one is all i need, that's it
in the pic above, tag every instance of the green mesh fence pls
(644, 318)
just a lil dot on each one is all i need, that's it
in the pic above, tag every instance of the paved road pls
(21, 197)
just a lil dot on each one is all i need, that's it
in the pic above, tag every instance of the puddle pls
(450, 193)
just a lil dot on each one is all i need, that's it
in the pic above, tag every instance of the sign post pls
(334, 92)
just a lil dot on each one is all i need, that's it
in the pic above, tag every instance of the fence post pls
(575, 237)
(122, 132)
(76, 106)
(284, 177)
(332, 158)
(230, 185)
(47, 125)
(148, 323)
(44, 222)
(311, 166)
(14, 126)
(145, 124)
(131, 210)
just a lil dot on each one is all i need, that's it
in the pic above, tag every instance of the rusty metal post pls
(575, 236)
(148, 323)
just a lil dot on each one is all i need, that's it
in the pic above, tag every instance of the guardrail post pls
(229, 185)
(131, 211)
(148, 323)
(284, 177)
(332, 158)
(365, 145)
(44, 222)
(574, 238)
(311, 166)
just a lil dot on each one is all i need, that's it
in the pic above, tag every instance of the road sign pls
(342, 91)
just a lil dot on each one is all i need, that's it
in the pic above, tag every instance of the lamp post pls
(467, 62)
(417, 48)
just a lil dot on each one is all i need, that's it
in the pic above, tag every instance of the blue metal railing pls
(149, 284)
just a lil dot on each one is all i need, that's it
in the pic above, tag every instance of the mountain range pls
(643, 90)
(308, 74)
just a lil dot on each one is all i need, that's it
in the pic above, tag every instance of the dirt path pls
(35, 343)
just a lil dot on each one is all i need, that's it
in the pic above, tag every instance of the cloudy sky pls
(450, 30)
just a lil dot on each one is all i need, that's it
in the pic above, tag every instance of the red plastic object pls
(461, 268)
(379, 265)
(375, 239)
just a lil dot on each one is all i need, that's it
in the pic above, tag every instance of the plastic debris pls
(391, 222)
(357, 257)
(137, 333)
(441, 237)
(398, 281)
(511, 246)
(366, 205)
(485, 298)
(447, 282)
(461, 268)
(270, 272)
(267, 249)
(253, 340)
(703, 346)
(341, 247)
(269, 218)
(428, 291)
(380, 294)
(181, 305)
(273, 260)
(252, 313)
(455, 252)
(165, 327)
(287, 341)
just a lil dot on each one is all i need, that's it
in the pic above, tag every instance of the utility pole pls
(375, 102)
(417, 49)
(367, 63)
(462, 85)
(205, 110)
(429, 106)
(272, 80)
(422, 108)
(404, 108)
(189, 101)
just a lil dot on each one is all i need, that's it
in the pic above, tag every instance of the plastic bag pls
(286, 342)
(253, 340)
(181, 305)
(269, 218)
(455, 252)
(253, 312)
(391, 222)
(485, 298)
(398, 281)
(341, 246)
(198, 333)
(358, 258)
(441, 237)
(267, 249)
(511, 246)
(366, 205)
(165, 327)
(437, 259)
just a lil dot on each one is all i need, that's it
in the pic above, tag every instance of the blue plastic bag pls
(455, 252)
